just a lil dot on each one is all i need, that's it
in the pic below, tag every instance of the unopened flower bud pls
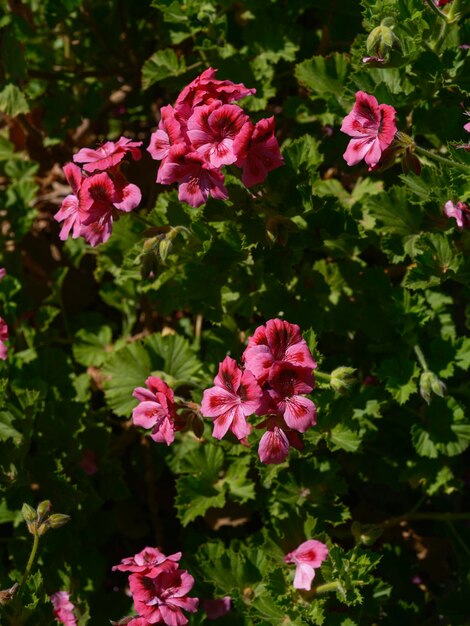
(365, 534)
(43, 509)
(382, 39)
(410, 163)
(7, 595)
(56, 520)
(29, 514)
(42, 529)
(342, 379)
(165, 248)
(430, 384)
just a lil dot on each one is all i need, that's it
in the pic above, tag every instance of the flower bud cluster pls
(39, 521)
(159, 588)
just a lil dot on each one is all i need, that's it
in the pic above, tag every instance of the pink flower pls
(3, 273)
(63, 608)
(307, 557)
(108, 155)
(156, 410)
(169, 133)
(150, 561)
(467, 126)
(372, 127)
(277, 341)
(69, 211)
(3, 338)
(274, 445)
(460, 211)
(258, 151)
(217, 607)
(236, 395)
(212, 130)
(287, 383)
(161, 599)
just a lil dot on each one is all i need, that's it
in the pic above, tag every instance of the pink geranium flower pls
(277, 341)
(217, 608)
(212, 130)
(287, 383)
(274, 445)
(161, 599)
(3, 273)
(372, 128)
(156, 410)
(258, 151)
(69, 211)
(169, 133)
(307, 557)
(3, 338)
(460, 212)
(150, 561)
(63, 608)
(235, 396)
(108, 155)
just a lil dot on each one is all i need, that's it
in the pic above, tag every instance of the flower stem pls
(334, 586)
(436, 10)
(429, 517)
(441, 159)
(421, 359)
(30, 562)
(323, 377)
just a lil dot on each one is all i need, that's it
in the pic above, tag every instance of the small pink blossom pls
(149, 561)
(235, 396)
(108, 155)
(3, 338)
(63, 608)
(307, 557)
(3, 273)
(217, 607)
(169, 133)
(156, 410)
(287, 383)
(278, 341)
(258, 151)
(460, 212)
(69, 211)
(372, 128)
(275, 443)
(161, 599)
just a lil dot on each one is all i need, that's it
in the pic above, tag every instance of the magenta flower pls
(278, 341)
(258, 151)
(63, 608)
(460, 211)
(3, 273)
(217, 607)
(156, 410)
(108, 155)
(150, 561)
(161, 599)
(3, 338)
(287, 383)
(169, 133)
(308, 556)
(69, 211)
(274, 445)
(212, 130)
(235, 396)
(372, 128)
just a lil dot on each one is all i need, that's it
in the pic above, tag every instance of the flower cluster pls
(308, 556)
(372, 128)
(159, 588)
(203, 132)
(63, 608)
(278, 371)
(3, 328)
(101, 192)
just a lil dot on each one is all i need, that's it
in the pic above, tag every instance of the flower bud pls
(365, 534)
(7, 595)
(29, 514)
(430, 384)
(410, 163)
(382, 39)
(165, 249)
(43, 509)
(56, 520)
(342, 379)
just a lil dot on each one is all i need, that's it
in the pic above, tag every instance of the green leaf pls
(444, 430)
(162, 64)
(240, 486)
(179, 359)
(6, 429)
(195, 495)
(90, 347)
(324, 76)
(401, 377)
(13, 101)
(344, 438)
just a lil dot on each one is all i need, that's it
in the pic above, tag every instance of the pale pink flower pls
(217, 607)
(307, 557)
(169, 133)
(69, 211)
(372, 128)
(156, 410)
(277, 341)
(235, 396)
(258, 151)
(161, 599)
(288, 382)
(63, 608)
(108, 155)
(150, 561)
(212, 130)
(467, 126)
(3, 338)
(460, 211)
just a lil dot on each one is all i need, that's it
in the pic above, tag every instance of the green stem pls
(436, 10)
(334, 586)
(441, 159)
(30, 562)
(421, 359)
(323, 377)
(426, 517)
